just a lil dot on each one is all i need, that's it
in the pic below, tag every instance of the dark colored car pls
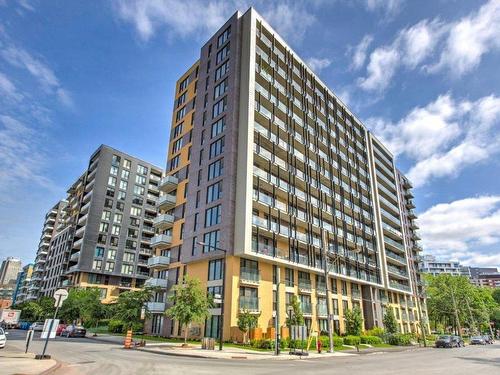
(448, 341)
(459, 341)
(477, 340)
(74, 331)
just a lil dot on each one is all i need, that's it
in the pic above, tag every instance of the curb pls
(52, 369)
(175, 354)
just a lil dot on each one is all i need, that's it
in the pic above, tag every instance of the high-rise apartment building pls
(23, 282)
(104, 227)
(266, 169)
(9, 270)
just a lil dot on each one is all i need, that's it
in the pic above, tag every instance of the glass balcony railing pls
(249, 303)
(306, 308)
(322, 309)
(305, 285)
(250, 275)
(394, 243)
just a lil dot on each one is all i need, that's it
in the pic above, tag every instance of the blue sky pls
(422, 75)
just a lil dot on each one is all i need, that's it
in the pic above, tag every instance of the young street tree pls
(353, 322)
(129, 306)
(190, 304)
(390, 324)
(297, 317)
(247, 321)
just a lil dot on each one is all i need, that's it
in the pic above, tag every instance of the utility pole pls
(327, 290)
(277, 317)
(456, 312)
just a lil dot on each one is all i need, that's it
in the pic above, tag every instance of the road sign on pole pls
(53, 323)
(29, 337)
(60, 295)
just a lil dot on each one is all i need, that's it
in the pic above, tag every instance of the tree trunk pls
(185, 333)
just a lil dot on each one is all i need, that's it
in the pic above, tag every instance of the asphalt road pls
(86, 356)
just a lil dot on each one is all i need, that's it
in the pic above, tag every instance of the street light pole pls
(221, 320)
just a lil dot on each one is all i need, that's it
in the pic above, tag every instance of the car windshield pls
(476, 337)
(444, 337)
(1, 331)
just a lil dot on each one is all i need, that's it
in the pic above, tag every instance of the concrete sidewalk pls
(14, 361)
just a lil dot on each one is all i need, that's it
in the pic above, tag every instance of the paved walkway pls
(14, 361)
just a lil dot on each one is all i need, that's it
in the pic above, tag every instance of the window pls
(115, 160)
(128, 257)
(136, 211)
(344, 288)
(105, 215)
(177, 145)
(196, 215)
(181, 100)
(122, 195)
(222, 54)
(103, 227)
(215, 269)
(110, 266)
(221, 71)
(127, 269)
(218, 127)
(215, 169)
(140, 179)
(335, 307)
(212, 216)
(130, 244)
(174, 163)
(120, 206)
(214, 192)
(224, 37)
(112, 254)
(334, 287)
(220, 89)
(110, 192)
(132, 233)
(178, 129)
(123, 185)
(216, 148)
(184, 84)
(114, 170)
(219, 107)
(141, 169)
(118, 218)
(180, 113)
(289, 277)
(99, 252)
(212, 326)
(125, 174)
(116, 230)
(97, 264)
(139, 190)
(112, 181)
(127, 163)
(102, 238)
(211, 241)
(134, 222)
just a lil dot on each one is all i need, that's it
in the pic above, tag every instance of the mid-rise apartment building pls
(266, 169)
(434, 266)
(23, 281)
(102, 238)
(9, 270)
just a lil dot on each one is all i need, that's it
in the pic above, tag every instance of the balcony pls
(166, 202)
(156, 307)
(78, 244)
(161, 241)
(321, 310)
(163, 222)
(397, 271)
(168, 184)
(250, 304)
(75, 256)
(306, 308)
(410, 204)
(321, 289)
(397, 245)
(400, 286)
(411, 214)
(158, 261)
(305, 286)
(148, 229)
(249, 276)
(394, 256)
(355, 294)
(155, 282)
(410, 304)
(72, 269)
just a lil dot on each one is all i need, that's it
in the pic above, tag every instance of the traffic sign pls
(60, 295)
(50, 324)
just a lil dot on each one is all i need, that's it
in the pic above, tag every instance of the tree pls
(47, 306)
(190, 304)
(496, 295)
(297, 317)
(83, 304)
(129, 306)
(390, 324)
(247, 321)
(353, 321)
(30, 311)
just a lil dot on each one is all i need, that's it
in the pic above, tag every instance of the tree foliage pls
(247, 321)
(389, 320)
(353, 321)
(129, 306)
(297, 317)
(84, 305)
(190, 304)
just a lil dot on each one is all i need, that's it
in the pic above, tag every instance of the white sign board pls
(46, 328)
(60, 295)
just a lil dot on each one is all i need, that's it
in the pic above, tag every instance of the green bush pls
(376, 331)
(352, 340)
(371, 340)
(338, 341)
(399, 339)
(262, 344)
(115, 326)
(325, 341)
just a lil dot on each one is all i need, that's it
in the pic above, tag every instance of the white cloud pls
(469, 39)
(444, 137)
(201, 18)
(462, 229)
(381, 68)
(359, 52)
(389, 7)
(8, 88)
(317, 64)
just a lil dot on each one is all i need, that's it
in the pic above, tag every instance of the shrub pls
(399, 339)
(376, 331)
(115, 326)
(338, 341)
(262, 344)
(371, 340)
(352, 340)
(325, 341)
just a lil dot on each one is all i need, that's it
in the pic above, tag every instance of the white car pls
(3, 338)
(37, 326)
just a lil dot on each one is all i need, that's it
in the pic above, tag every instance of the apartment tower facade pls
(266, 168)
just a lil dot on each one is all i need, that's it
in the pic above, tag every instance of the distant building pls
(9, 270)
(474, 272)
(435, 267)
(23, 280)
(491, 280)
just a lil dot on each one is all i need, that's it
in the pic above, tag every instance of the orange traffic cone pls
(128, 340)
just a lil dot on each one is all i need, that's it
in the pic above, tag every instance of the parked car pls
(3, 338)
(37, 326)
(488, 339)
(74, 331)
(477, 340)
(448, 341)
(60, 328)
(458, 341)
